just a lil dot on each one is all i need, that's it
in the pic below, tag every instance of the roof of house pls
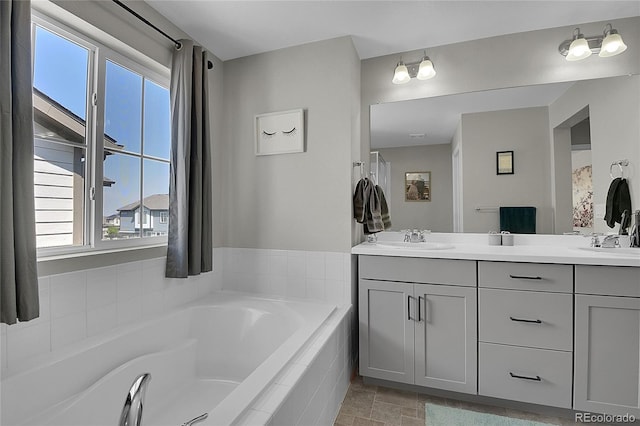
(152, 202)
(52, 115)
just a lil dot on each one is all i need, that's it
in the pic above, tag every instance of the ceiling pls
(233, 29)
(437, 118)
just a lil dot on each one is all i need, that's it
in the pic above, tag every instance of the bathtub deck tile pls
(272, 398)
(292, 375)
(255, 417)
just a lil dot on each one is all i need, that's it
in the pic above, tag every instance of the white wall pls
(614, 108)
(298, 201)
(436, 214)
(524, 131)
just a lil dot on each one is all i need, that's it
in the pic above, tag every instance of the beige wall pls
(298, 201)
(436, 214)
(524, 131)
(614, 108)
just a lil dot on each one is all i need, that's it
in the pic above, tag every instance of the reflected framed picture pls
(417, 186)
(504, 162)
(279, 132)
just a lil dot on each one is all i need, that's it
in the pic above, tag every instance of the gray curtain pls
(18, 266)
(189, 251)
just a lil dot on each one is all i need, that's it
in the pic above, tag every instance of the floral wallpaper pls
(582, 197)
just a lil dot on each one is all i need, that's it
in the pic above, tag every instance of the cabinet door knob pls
(515, 376)
(409, 307)
(535, 321)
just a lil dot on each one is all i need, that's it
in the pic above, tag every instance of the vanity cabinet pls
(415, 325)
(525, 313)
(607, 340)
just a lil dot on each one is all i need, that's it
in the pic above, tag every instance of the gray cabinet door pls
(607, 355)
(446, 336)
(386, 330)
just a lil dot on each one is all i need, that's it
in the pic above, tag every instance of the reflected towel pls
(518, 220)
(384, 209)
(618, 200)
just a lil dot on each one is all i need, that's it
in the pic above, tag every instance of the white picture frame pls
(279, 132)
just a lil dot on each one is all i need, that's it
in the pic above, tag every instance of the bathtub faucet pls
(132, 411)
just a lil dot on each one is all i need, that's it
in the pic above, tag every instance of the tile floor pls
(368, 405)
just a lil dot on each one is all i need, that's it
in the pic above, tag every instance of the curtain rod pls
(177, 44)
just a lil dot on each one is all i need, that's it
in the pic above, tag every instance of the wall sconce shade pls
(401, 74)
(612, 44)
(581, 47)
(422, 70)
(426, 70)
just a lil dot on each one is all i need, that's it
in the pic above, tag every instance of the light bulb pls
(579, 49)
(612, 45)
(401, 74)
(426, 70)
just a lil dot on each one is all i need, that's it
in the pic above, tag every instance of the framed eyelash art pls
(279, 132)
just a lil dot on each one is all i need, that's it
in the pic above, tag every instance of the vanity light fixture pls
(422, 70)
(608, 44)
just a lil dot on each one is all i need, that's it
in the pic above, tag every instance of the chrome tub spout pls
(132, 411)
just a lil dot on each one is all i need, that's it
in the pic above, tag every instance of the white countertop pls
(566, 249)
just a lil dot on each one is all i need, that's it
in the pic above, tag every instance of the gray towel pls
(384, 209)
(374, 213)
(361, 200)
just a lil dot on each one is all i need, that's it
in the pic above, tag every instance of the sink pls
(414, 246)
(626, 251)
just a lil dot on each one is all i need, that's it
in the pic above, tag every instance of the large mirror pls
(566, 139)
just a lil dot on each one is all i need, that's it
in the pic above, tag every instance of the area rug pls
(440, 415)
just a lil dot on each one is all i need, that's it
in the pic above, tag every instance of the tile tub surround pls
(318, 276)
(310, 389)
(82, 304)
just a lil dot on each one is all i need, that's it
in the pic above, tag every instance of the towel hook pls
(361, 165)
(620, 164)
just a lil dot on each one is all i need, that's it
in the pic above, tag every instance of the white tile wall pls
(82, 304)
(321, 276)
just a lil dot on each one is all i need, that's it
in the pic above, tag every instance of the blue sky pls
(61, 72)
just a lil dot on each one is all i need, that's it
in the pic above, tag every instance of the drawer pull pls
(535, 321)
(524, 277)
(515, 376)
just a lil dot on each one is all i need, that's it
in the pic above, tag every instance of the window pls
(102, 143)
(164, 217)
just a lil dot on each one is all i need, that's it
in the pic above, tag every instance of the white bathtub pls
(215, 356)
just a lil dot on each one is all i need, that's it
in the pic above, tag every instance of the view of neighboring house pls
(60, 150)
(155, 216)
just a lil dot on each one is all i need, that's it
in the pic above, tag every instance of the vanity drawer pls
(525, 318)
(537, 376)
(526, 276)
(418, 270)
(608, 280)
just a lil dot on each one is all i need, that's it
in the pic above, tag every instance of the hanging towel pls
(370, 207)
(374, 213)
(618, 200)
(384, 209)
(518, 220)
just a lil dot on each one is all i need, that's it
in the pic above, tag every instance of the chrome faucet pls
(611, 241)
(132, 411)
(415, 235)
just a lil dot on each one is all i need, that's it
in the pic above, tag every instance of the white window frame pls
(137, 62)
